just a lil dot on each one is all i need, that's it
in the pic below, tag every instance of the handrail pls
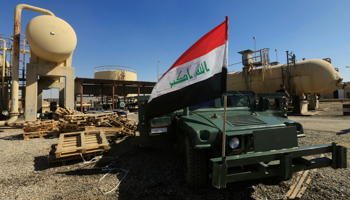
(115, 67)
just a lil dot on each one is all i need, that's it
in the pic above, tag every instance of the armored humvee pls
(260, 140)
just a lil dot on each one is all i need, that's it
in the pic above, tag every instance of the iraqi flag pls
(199, 75)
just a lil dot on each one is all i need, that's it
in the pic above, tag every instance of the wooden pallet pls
(101, 115)
(72, 144)
(66, 111)
(52, 158)
(46, 125)
(74, 121)
(75, 117)
(112, 133)
(40, 134)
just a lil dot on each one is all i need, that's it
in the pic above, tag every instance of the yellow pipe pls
(15, 58)
(3, 71)
(21, 51)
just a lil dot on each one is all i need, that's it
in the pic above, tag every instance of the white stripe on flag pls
(191, 72)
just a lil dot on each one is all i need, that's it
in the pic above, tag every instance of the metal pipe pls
(15, 58)
(3, 72)
(21, 50)
(81, 97)
(113, 97)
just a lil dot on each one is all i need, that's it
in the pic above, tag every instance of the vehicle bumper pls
(282, 163)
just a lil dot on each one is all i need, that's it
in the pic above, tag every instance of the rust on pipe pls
(3, 71)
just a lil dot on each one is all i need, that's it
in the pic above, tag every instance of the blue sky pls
(139, 33)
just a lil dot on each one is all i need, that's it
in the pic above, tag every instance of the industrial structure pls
(51, 41)
(304, 80)
(114, 72)
(111, 92)
(51, 50)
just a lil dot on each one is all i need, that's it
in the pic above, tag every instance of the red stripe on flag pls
(215, 38)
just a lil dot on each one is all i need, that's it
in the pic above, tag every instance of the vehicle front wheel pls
(196, 164)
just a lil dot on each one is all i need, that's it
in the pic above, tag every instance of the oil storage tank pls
(115, 72)
(315, 76)
(50, 39)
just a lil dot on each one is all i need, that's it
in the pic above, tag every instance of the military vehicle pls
(260, 140)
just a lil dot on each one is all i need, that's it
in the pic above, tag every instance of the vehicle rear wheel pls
(196, 165)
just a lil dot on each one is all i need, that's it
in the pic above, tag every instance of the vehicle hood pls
(236, 120)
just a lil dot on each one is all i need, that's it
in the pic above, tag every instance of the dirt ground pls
(158, 172)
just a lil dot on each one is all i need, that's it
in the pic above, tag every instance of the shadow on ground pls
(159, 172)
(13, 137)
(345, 131)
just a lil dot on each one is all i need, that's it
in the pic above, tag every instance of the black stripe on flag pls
(209, 89)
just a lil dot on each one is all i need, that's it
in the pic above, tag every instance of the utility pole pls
(158, 70)
(276, 55)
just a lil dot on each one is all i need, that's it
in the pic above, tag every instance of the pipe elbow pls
(9, 122)
(21, 7)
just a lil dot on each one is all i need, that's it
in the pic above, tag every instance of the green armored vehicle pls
(260, 140)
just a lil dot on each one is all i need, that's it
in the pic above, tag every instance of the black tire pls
(196, 165)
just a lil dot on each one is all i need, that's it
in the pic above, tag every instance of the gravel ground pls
(154, 173)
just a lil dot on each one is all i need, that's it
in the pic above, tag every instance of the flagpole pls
(225, 98)
(224, 131)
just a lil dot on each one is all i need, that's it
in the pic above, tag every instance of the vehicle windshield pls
(234, 99)
(208, 104)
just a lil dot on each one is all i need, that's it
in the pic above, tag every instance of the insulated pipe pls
(15, 58)
(3, 71)
(10, 50)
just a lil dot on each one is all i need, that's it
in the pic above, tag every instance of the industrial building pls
(41, 59)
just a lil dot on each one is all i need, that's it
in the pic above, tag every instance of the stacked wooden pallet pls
(74, 145)
(39, 129)
(70, 121)
(83, 122)
(66, 111)
(128, 126)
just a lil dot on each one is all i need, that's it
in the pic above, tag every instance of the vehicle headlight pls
(5, 112)
(234, 143)
(204, 134)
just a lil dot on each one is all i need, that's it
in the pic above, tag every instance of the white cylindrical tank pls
(7, 64)
(112, 72)
(51, 38)
(313, 76)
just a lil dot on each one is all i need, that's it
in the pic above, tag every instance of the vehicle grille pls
(244, 120)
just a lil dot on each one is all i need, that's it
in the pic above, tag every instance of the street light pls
(158, 70)
(254, 43)
(276, 55)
